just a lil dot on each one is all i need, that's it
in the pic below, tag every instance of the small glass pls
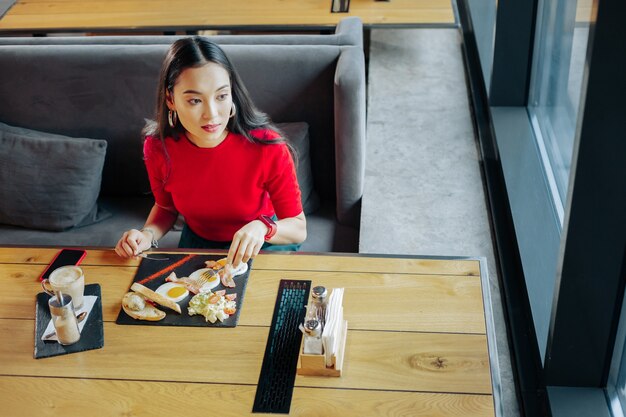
(64, 318)
(67, 280)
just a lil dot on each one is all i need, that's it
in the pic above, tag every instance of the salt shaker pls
(313, 337)
(319, 296)
(64, 319)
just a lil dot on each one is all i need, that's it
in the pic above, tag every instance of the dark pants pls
(189, 239)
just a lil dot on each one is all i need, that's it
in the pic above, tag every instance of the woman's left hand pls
(247, 242)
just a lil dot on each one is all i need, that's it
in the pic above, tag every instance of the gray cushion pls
(325, 235)
(297, 134)
(47, 181)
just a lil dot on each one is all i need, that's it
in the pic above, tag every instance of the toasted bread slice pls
(138, 311)
(157, 298)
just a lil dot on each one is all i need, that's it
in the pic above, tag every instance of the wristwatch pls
(271, 226)
(154, 243)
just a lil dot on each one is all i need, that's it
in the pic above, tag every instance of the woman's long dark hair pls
(193, 52)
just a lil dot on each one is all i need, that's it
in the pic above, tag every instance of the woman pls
(213, 157)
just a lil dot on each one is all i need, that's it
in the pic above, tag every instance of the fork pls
(145, 256)
(207, 275)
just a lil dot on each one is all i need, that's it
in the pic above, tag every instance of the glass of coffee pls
(67, 280)
(64, 319)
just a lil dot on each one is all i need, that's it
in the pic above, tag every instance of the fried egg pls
(242, 269)
(173, 291)
(208, 275)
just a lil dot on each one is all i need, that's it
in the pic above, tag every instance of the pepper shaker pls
(319, 296)
(313, 337)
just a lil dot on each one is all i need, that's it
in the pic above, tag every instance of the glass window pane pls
(556, 84)
(616, 384)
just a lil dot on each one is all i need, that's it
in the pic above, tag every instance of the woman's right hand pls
(132, 243)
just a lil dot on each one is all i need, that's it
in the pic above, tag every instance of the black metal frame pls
(525, 358)
(591, 284)
(591, 272)
(513, 48)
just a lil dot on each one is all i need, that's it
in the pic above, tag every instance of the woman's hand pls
(132, 243)
(247, 242)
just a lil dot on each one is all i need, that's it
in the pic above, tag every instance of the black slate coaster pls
(152, 274)
(5, 5)
(92, 336)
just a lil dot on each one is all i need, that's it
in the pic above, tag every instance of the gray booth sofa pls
(71, 168)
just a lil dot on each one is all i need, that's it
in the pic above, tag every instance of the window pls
(616, 384)
(556, 84)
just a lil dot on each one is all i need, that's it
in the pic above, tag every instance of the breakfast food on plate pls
(221, 263)
(226, 271)
(241, 269)
(136, 307)
(226, 276)
(201, 280)
(157, 298)
(135, 301)
(142, 303)
(173, 291)
(213, 305)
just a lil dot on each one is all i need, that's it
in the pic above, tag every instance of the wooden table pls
(417, 344)
(43, 16)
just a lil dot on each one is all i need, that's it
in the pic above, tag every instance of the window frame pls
(589, 267)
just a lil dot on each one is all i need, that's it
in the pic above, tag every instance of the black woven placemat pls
(152, 274)
(278, 372)
(92, 336)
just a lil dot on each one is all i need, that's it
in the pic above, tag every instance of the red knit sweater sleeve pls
(158, 171)
(282, 183)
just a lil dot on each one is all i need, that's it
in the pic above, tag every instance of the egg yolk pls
(175, 292)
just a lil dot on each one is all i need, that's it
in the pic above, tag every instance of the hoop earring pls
(172, 118)
(233, 111)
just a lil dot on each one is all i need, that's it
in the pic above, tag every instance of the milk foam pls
(64, 277)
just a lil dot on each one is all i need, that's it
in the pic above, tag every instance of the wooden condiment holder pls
(315, 365)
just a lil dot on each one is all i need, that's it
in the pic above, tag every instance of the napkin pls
(334, 323)
(88, 302)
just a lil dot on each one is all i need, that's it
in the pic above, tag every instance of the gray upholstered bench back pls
(105, 91)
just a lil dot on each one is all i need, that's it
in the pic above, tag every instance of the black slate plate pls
(152, 274)
(5, 5)
(92, 336)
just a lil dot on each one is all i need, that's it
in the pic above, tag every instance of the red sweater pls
(218, 190)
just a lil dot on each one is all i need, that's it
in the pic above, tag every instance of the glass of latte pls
(68, 280)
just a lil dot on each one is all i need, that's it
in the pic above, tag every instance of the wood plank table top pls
(193, 15)
(417, 343)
